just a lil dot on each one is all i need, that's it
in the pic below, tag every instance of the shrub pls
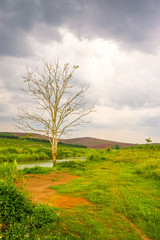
(36, 170)
(151, 168)
(9, 171)
(19, 217)
(93, 157)
(108, 149)
(3, 158)
(14, 203)
(117, 147)
(20, 230)
(43, 156)
(80, 165)
(9, 150)
(43, 215)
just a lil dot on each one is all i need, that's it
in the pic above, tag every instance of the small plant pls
(43, 215)
(80, 165)
(9, 171)
(93, 157)
(19, 217)
(108, 149)
(37, 170)
(148, 140)
(14, 203)
(117, 147)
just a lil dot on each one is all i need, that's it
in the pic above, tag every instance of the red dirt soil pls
(38, 186)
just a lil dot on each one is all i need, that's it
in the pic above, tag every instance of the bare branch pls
(60, 103)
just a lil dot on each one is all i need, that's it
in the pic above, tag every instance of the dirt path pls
(38, 186)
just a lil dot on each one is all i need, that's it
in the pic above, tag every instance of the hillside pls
(89, 142)
(95, 142)
(31, 135)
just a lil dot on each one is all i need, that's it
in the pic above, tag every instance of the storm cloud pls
(116, 45)
(134, 24)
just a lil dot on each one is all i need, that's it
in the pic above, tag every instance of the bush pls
(80, 165)
(19, 217)
(37, 170)
(44, 215)
(117, 147)
(14, 203)
(3, 158)
(108, 149)
(20, 230)
(151, 168)
(9, 171)
(94, 157)
(9, 150)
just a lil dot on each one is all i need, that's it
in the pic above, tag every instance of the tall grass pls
(9, 171)
(146, 159)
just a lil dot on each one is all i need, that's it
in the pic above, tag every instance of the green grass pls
(146, 159)
(23, 150)
(122, 188)
(9, 171)
(36, 170)
(20, 218)
(120, 199)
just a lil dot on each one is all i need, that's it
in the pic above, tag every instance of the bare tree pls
(60, 103)
(148, 140)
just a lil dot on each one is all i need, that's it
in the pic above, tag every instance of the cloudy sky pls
(116, 44)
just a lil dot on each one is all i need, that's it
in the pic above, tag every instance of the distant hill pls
(31, 135)
(89, 142)
(95, 142)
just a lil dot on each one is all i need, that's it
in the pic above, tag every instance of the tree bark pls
(54, 154)
(54, 157)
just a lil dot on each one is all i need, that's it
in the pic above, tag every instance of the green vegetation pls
(20, 218)
(28, 150)
(9, 171)
(121, 187)
(146, 159)
(117, 147)
(36, 170)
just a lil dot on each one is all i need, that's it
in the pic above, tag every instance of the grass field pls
(122, 190)
(124, 204)
(25, 150)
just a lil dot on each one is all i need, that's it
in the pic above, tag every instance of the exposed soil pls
(38, 186)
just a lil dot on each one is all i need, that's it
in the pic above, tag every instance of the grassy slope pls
(124, 205)
(95, 142)
(85, 141)
(23, 150)
(124, 195)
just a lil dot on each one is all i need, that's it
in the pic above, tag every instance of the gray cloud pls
(5, 119)
(124, 82)
(132, 23)
(3, 108)
(134, 97)
(153, 122)
(17, 19)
